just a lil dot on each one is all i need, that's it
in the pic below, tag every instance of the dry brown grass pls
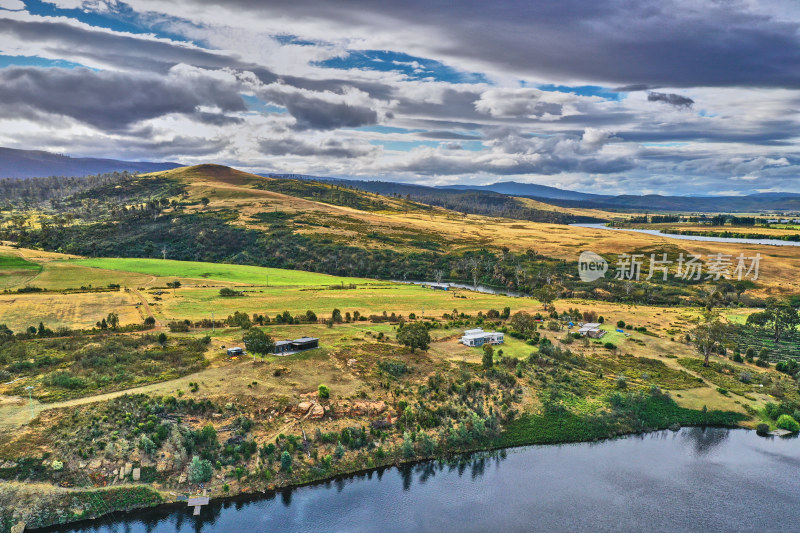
(78, 311)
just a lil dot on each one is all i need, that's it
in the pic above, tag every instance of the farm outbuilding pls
(298, 345)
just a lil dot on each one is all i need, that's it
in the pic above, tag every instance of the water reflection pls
(705, 439)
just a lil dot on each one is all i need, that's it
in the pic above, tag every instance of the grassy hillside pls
(211, 213)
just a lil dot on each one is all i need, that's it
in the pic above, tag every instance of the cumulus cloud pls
(531, 103)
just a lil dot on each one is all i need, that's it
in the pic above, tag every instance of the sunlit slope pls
(374, 221)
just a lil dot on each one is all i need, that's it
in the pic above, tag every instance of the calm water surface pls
(767, 242)
(696, 479)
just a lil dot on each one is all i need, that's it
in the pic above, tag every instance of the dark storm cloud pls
(671, 99)
(318, 114)
(647, 42)
(110, 100)
(633, 88)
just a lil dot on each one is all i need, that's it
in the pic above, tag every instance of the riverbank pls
(654, 412)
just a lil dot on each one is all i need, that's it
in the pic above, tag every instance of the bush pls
(610, 346)
(621, 324)
(324, 391)
(227, 292)
(788, 423)
(762, 429)
(200, 470)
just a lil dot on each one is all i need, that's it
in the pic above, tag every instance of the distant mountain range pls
(34, 163)
(772, 201)
(513, 188)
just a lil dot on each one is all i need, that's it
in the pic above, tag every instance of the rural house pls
(591, 329)
(478, 337)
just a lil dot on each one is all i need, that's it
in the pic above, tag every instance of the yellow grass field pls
(82, 310)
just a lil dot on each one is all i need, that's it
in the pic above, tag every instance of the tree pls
(323, 391)
(488, 357)
(286, 462)
(200, 470)
(523, 322)
(708, 334)
(311, 316)
(113, 320)
(149, 322)
(414, 335)
(337, 316)
(258, 342)
(777, 316)
(162, 339)
(546, 294)
(205, 201)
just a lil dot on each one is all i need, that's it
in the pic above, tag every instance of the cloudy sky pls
(619, 96)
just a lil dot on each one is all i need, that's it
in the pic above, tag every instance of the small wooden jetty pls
(197, 502)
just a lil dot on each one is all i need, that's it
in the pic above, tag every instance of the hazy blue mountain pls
(514, 188)
(35, 163)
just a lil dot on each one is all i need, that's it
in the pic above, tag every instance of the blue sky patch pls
(121, 19)
(34, 61)
(259, 106)
(415, 68)
(583, 90)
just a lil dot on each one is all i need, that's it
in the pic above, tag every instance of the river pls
(695, 479)
(767, 242)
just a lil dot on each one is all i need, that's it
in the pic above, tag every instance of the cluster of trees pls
(777, 316)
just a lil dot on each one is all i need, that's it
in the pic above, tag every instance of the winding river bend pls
(695, 479)
(766, 242)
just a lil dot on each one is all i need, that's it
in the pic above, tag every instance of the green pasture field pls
(245, 274)
(198, 302)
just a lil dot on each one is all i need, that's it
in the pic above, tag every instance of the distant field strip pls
(251, 275)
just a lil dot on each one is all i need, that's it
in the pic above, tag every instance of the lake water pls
(695, 479)
(767, 242)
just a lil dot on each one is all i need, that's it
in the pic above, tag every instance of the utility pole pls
(164, 252)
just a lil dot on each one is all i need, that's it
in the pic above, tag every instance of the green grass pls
(14, 262)
(636, 414)
(219, 272)
(195, 303)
